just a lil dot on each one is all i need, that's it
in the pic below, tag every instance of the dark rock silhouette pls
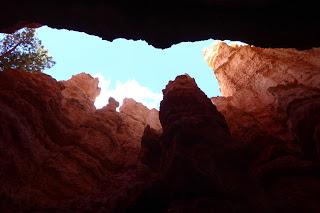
(200, 162)
(263, 23)
(112, 104)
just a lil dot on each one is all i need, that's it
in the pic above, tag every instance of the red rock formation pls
(201, 168)
(112, 105)
(138, 111)
(59, 154)
(247, 74)
(82, 87)
(301, 104)
(55, 147)
(271, 103)
(79, 94)
(150, 152)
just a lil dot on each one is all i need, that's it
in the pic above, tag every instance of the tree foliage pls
(23, 50)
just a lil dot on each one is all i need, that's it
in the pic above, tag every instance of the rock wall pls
(256, 149)
(55, 147)
(255, 80)
(270, 99)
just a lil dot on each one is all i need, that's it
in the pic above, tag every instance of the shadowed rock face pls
(56, 148)
(254, 150)
(264, 23)
(200, 161)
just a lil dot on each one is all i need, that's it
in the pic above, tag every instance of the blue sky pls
(126, 67)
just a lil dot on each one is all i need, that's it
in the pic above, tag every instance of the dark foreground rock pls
(56, 149)
(59, 154)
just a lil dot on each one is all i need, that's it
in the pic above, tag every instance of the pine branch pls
(10, 51)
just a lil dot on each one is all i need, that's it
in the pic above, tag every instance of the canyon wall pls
(255, 149)
(273, 90)
(270, 99)
(55, 146)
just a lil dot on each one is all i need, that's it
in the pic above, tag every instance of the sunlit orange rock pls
(270, 99)
(247, 74)
(138, 111)
(82, 87)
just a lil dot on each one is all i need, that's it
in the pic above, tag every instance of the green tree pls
(23, 50)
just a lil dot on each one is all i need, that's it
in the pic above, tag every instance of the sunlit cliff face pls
(269, 91)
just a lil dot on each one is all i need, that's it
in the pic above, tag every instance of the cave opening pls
(127, 68)
(253, 149)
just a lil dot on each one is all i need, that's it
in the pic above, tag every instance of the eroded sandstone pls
(271, 104)
(251, 79)
(55, 146)
(256, 149)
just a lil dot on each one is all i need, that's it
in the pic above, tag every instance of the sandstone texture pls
(270, 99)
(55, 147)
(255, 149)
(265, 87)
